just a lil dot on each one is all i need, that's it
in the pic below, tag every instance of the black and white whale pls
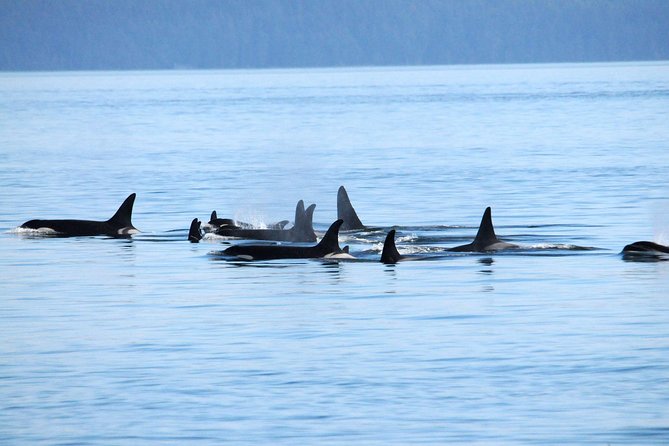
(301, 231)
(120, 225)
(216, 222)
(328, 247)
(646, 247)
(346, 212)
(485, 240)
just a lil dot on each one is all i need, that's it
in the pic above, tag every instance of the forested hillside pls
(156, 34)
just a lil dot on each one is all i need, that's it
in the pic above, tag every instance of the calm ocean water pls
(153, 340)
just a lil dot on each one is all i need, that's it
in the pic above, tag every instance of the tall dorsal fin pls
(299, 214)
(123, 216)
(390, 253)
(330, 241)
(213, 217)
(303, 231)
(308, 222)
(486, 235)
(346, 212)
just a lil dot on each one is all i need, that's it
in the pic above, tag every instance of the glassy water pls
(153, 340)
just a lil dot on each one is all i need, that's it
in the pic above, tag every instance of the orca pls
(302, 230)
(485, 240)
(194, 233)
(216, 222)
(346, 212)
(644, 248)
(120, 225)
(345, 254)
(326, 248)
(390, 255)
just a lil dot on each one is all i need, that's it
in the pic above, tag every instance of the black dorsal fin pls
(299, 214)
(390, 253)
(346, 212)
(307, 229)
(486, 235)
(194, 234)
(308, 223)
(330, 241)
(213, 217)
(123, 216)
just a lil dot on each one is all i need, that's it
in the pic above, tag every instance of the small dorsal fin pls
(346, 212)
(486, 234)
(330, 241)
(194, 234)
(123, 216)
(390, 254)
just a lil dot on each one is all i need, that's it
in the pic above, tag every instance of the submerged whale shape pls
(302, 230)
(327, 247)
(217, 222)
(485, 240)
(119, 225)
(643, 246)
(346, 212)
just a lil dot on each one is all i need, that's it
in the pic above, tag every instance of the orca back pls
(122, 219)
(330, 241)
(119, 225)
(485, 239)
(645, 247)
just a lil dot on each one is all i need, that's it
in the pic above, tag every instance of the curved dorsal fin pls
(303, 228)
(123, 216)
(486, 235)
(308, 223)
(299, 214)
(330, 241)
(346, 212)
(390, 253)
(213, 217)
(194, 234)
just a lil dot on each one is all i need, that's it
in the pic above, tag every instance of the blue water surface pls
(153, 340)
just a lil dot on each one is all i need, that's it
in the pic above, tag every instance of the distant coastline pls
(68, 35)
